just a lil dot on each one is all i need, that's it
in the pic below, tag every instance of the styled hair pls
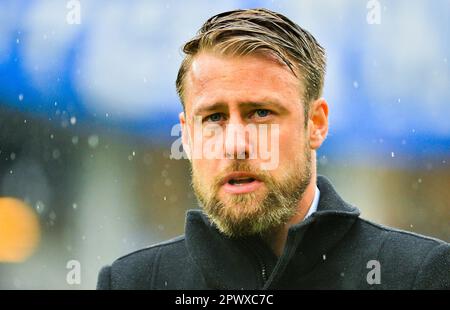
(243, 32)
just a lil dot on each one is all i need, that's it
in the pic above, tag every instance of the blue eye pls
(214, 117)
(262, 112)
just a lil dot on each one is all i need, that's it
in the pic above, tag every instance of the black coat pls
(332, 249)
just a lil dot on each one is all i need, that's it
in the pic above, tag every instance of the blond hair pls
(242, 32)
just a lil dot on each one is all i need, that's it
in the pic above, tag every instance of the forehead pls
(216, 78)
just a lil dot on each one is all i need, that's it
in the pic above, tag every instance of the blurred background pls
(88, 101)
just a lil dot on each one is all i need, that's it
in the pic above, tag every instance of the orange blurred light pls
(19, 230)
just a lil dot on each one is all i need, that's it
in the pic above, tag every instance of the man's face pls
(239, 195)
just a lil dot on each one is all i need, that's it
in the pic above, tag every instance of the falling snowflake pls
(93, 141)
(39, 206)
(323, 160)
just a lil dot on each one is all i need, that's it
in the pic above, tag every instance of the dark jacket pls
(332, 249)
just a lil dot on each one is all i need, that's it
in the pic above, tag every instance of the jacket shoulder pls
(149, 251)
(391, 234)
(136, 269)
(423, 262)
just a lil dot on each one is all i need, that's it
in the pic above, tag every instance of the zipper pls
(262, 268)
(263, 273)
(262, 265)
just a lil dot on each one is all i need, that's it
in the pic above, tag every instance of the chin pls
(242, 203)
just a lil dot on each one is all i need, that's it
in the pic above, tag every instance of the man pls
(263, 226)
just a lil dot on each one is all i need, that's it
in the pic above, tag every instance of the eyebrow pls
(204, 108)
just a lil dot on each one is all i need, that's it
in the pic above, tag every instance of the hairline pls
(269, 54)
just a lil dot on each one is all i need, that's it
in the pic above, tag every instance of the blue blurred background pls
(86, 112)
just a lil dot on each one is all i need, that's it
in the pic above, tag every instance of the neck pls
(276, 238)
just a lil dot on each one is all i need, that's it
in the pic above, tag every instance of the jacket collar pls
(229, 263)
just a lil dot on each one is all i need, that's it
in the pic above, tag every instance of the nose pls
(236, 142)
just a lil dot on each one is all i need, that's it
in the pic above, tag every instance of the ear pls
(318, 123)
(185, 135)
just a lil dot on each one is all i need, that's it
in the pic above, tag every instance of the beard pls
(239, 215)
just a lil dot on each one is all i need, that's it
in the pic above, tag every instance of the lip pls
(243, 188)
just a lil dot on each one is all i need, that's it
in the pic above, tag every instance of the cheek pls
(203, 169)
(291, 145)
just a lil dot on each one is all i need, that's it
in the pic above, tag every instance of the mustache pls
(241, 166)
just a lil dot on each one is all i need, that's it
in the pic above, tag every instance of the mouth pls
(241, 183)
